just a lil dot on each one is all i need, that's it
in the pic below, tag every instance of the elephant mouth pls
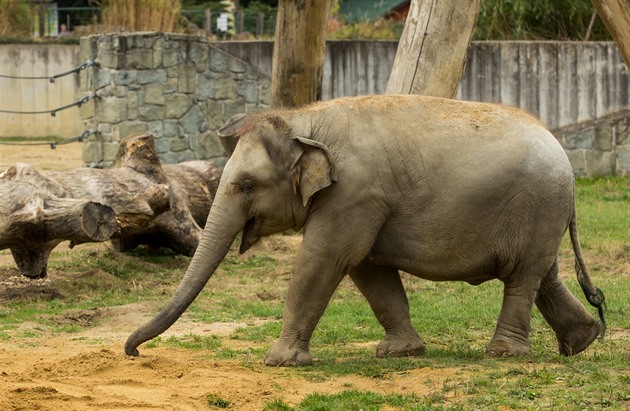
(250, 235)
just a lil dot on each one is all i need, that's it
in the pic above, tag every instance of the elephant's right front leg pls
(311, 286)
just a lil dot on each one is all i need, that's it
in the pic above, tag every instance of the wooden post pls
(298, 56)
(616, 16)
(260, 24)
(431, 54)
(208, 21)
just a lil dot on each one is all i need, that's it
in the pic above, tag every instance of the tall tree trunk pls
(298, 56)
(431, 54)
(616, 16)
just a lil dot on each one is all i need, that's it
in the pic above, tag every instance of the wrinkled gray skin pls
(445, 190)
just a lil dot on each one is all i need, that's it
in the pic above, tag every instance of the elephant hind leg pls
(386, 295)
(575, 328)
(511, 336)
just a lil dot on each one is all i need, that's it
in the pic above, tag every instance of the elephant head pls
(266, 187)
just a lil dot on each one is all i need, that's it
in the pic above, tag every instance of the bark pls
(431, 54)
(137, 201)
(616, 16)
(192, 188)
(298, 56)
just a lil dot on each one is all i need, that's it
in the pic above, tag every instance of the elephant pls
(442, 189)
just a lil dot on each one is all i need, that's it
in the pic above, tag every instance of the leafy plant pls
(214, 400)
(537, 20)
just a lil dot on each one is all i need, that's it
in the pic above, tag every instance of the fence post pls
(208, 21)
(239, 21)
(42, 21)
(260, 24)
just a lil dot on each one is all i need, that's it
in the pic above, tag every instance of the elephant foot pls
(401, 346)
(503, 348)
(286, 355)
(578, 339)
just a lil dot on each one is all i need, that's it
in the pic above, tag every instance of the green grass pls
(456, 321)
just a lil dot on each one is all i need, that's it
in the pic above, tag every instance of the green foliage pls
(354, 400)
(381, 29)
(277, 405)
(537, 20)
(215, 401)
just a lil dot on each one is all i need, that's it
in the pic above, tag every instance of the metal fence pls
(222, 24)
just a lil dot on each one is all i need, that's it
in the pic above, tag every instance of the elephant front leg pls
(386, 295)
(311, 286)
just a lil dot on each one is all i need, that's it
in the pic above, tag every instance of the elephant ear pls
(314, 169)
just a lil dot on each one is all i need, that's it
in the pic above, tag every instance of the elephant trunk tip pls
(131, 351)
(131, 346)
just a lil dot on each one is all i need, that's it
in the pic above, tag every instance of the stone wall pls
(177, 87)
(600, 147)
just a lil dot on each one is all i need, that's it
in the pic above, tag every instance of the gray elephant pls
(442, 189)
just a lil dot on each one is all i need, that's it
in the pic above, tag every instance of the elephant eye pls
(247, 186)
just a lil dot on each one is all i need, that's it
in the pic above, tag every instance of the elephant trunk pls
(221, 228)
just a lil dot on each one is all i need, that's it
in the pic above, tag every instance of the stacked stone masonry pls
(600, 147)
(177, 87)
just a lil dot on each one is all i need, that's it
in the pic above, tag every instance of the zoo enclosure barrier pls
(53, 112)
(580, 90)
(200, 21)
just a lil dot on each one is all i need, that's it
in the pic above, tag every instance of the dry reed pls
(15, 19)
(142, 15)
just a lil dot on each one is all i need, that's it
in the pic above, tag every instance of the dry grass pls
(15, 19)
(142, 15)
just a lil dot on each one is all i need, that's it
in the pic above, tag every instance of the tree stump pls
(136, 201)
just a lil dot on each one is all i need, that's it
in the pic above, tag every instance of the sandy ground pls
(89, 371)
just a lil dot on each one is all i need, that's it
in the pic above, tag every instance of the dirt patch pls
(63, 157)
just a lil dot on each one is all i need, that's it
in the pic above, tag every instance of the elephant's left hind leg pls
(385, 293)
(575, 328)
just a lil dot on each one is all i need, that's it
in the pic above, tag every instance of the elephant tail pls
(594, 295)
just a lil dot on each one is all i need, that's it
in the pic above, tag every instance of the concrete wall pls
(562, 83)
(34, 60)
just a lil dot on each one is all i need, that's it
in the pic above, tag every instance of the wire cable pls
(53, 77)
(54, 111)
(53, 145)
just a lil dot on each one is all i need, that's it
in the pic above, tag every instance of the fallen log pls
(192, 188)
(136, 201)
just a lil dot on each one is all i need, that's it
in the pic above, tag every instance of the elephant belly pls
(435, 262)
